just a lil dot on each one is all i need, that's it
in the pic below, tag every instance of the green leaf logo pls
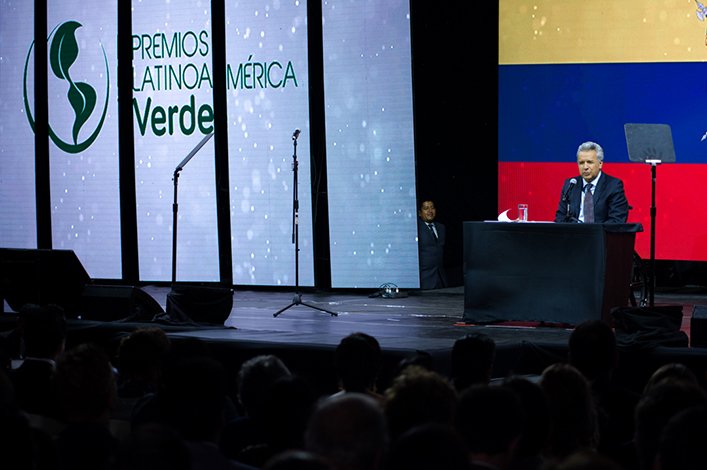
(62, 54)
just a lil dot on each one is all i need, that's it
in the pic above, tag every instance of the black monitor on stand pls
(651, 144)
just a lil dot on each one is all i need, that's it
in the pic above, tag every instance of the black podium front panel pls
(546, 272)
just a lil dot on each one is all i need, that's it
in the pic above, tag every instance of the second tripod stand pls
(297, 300)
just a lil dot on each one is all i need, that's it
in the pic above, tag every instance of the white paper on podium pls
(503, 217)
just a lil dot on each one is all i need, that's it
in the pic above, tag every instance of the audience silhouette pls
(592, 350)
(682, 442)
(490, 420)
(418, 396)
(297, 460)
(286, 411)
(349, 431)
(536, 423)
(573, 413)
(255, 379)
(86, 389)
(42, 331)
(473, 356)
(429, 446)
(165, 403)
(658, 404)
(358, 364)
(139, 362)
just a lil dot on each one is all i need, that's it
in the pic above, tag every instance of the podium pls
(546, 272)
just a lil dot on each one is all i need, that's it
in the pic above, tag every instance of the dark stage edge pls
(428, 321)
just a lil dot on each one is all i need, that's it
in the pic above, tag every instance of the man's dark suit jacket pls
(431, 253)
(610, 203)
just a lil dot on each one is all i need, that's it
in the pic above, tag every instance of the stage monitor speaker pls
(649, 327)
(118, 303)
(196, 304)
(698, 327)
(41, 277)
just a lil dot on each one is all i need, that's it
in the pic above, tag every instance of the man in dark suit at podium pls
(594, 197)
(431, 236)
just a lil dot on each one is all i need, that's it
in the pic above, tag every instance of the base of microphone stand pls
(297, 300)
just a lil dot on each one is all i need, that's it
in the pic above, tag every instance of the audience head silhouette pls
(592, 349)
(473, 356)
(358, 361)
(418, 396)
(490, 420)
(349, 430)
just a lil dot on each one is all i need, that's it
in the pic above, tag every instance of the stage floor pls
(306, 334)
(427, 321)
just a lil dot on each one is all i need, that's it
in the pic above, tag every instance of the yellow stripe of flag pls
(601, 31)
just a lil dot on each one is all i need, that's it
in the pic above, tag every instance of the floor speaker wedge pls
(197, 304)
(118, 303)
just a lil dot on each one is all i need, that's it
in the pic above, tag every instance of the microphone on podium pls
(295, 134)
(566, 196)
(566, 199)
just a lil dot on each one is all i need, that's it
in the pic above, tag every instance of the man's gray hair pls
(587, 146)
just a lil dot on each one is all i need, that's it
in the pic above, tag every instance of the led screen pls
(173, 112)
(83, 130)
(571, 72)
(369, 143)
(17, 186)
(267, 90)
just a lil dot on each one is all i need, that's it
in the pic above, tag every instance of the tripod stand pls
(651, 144)
(175, 206)
(297, 300)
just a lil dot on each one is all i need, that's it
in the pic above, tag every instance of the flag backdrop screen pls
(570, 72)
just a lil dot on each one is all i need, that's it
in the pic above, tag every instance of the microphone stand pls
(297, 300)
(651, 274)
(566, 198)
(175, 206)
